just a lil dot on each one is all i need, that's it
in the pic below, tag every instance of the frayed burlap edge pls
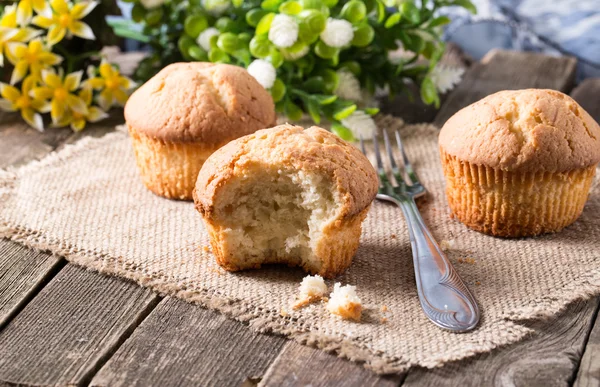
(266, 320)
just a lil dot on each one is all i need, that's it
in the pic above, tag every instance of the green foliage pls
(307, 71)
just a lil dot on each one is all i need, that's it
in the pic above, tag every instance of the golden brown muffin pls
(186, 112)
(286, 195)
(519, 162)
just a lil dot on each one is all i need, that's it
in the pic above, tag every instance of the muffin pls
(519, 162)
(186, 112)
(286, 195)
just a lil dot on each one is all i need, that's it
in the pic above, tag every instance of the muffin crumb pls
(393, 236)
(345, 303)
(477, 283)
(384, 320)
(312, 288)
(205, 249)
(384, 308)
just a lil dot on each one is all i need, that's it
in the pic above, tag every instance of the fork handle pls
(444, 297)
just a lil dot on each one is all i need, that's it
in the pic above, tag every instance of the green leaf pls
(138, 12)
(278, 90)
(260, 46)
(270, 5)
(292, 111)
(217, 55)
(290, 8)
(352, 66)
(439, 21)
(228, 42)
(344, 112)
(410, 11)
(342, 132)
(275, 57)
(184, 43)
(225, 24)
(467, 5)
(363, 35)
(371, 111)
(314, 84)
(197, 53)
(194, 25)
(393, 20)
(265, 23)
(380, 11)
(243, 55)
(325, 99)
(324, 51)
(429, 93)
(131, 34)
(237, 3)
(313, 108)
(354, 11)
(254, 16)
(154, 16)
(330, 79)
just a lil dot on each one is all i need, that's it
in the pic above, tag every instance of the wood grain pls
(589, 367)
(501, 70)
(299, 365)
(181, 343)
(548, 359)
(22, 273)
(65, 334)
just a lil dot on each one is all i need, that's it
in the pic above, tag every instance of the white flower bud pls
(361, 124)
(337, 33)
(205, 36)
(284, 31)
(445, 77)
(348, 86)
(263, 72)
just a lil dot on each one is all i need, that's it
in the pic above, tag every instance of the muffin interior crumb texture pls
(270, 215)
(312, 288)
(344, 302)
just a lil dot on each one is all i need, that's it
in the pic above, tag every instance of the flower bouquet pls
(44, 71)
(325, 58)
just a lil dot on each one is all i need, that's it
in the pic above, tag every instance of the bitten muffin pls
(286, 195)
(519, 162)
(186, 112)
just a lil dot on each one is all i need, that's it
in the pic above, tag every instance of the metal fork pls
(444, 297)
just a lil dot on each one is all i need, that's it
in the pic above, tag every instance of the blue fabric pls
(554, 27)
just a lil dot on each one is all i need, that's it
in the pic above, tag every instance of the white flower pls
(148, 4)
(399, 54)
(337, 33)
(361, 124)
(348, 86)
(284, 31)
(216, 7)
(445, 77)
(205, 36)
(263, 72)
(291, 56)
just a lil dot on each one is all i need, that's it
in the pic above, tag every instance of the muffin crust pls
(200, 102)
(524, 130)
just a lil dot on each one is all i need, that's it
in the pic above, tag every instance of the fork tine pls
(362, 145)
(411, 174)
(380, 169)
(395, 169)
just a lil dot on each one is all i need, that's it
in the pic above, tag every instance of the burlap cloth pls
(87, 203)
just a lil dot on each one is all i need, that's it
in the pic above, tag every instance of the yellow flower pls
(32, 57)
(60, 90)
(10, 32)
(66, 19)
(26, 7)
(15, 100)
(114, 86)
(77, 120)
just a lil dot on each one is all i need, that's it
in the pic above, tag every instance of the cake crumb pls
(205, 249)
(283, 313)
(446, 244)
(312, 288)
(477, 283)
(384, 320)
(384, 308)
(344, 302)
(393, 236)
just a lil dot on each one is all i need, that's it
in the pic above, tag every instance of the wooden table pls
(63, 325)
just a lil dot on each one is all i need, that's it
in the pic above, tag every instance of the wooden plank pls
(587, 94)
(588, 374)
(548, 359)
(22, 273)
(66, 333)
(501, 70)
(299, 365)
(20, 144)
(179, 342)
